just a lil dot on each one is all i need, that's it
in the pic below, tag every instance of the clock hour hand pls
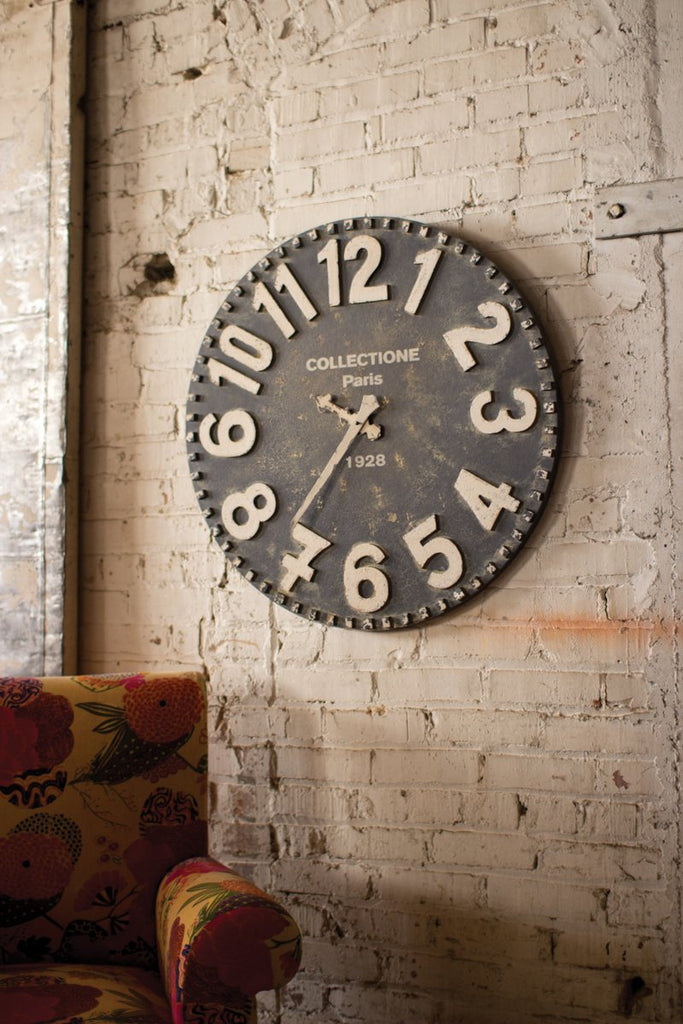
(372, 431)
(356, 422)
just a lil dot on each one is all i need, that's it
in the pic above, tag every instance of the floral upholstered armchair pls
(110, 909)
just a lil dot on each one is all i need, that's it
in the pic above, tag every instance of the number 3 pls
(504, 420)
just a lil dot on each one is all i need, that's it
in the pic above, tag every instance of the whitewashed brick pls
(471, 72)
(499, 105)
(294, 183)
(527, 22)
(297, 107)
(497, 185)
(311, 143)
(433, 194)
(473, 818)
(248, 155)
(338, 687)
(471, 149)
(426, 766)
(541, 899)
(371, 94)
(420, 121)
(373, 169)
(554, 688)
(539, 771)
(343, 66)
(439, 41)
(336, 764)
(551, 176)
(552, 94)
(453, 685)
(485, 850)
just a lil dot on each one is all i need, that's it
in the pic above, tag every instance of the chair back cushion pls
(102, 791)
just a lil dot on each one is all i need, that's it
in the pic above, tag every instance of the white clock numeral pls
(504, 420)
(459, 338)
(366, 588)
(284, 282)
(486, 500)
(253, 352)
(264, 300)
(423, 546)
(329, 254)
(218, 373)
(245, 511)
(427, 261)
(360, 290)
(299, 567)
(234, 433)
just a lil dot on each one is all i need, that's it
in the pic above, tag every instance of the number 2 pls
(460, 337)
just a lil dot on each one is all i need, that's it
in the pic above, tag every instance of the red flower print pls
(244, 931)
(190, 867)
(175, 964)
(161, 847)
(108, 682)
(33, 865)
(35, 735)
(30, 1005)
(163, 769)
(53, 716)
(163, 709)
(17, 745)
(101, 890)
(34, 1000)
(133, 682)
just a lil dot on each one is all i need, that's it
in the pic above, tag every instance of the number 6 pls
(367, 577)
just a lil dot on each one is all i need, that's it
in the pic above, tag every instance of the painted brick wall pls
(40, 145)
(476, 821)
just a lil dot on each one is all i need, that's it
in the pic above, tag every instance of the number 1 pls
(427, 260)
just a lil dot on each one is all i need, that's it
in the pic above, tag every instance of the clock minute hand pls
(356, 421)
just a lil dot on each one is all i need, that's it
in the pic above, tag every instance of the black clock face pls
(372, 423)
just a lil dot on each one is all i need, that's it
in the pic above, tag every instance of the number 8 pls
(259, 504)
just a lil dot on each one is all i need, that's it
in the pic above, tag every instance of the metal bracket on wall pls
(647, 208)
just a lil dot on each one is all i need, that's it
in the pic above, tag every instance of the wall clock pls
(373, 423)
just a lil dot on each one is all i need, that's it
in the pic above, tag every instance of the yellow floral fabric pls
(65, 994)
(102, 791)
(103, 807)
(222, 940)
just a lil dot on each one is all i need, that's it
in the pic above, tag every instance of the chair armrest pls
(221, 939)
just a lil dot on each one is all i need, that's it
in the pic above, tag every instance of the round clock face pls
(372, 423)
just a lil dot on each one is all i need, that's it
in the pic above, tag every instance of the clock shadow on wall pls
(373, 423)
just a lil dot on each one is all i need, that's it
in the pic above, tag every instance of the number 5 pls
(423, 546)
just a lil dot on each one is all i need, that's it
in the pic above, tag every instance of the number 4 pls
(485, 500)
